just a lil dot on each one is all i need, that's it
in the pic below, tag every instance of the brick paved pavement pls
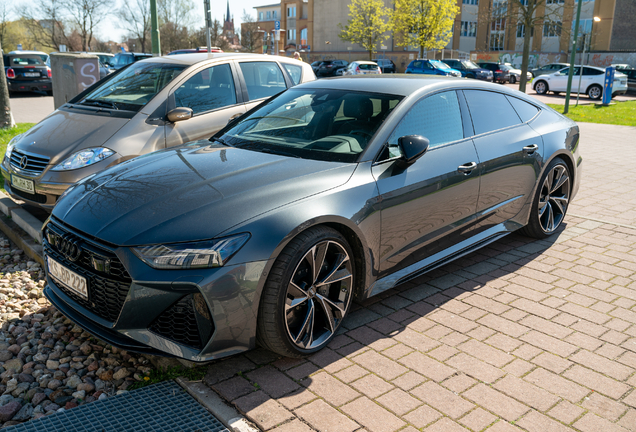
(522, 335)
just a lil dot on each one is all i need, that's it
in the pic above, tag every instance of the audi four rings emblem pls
(23, 162)
(69, 247)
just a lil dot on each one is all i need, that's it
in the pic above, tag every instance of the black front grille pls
(186, 322)
(38, 198)
(108, 280)
(28, 162)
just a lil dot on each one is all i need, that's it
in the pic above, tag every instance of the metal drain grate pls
(160, 407)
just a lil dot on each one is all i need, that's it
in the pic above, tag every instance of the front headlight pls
(183, 256)
(12, 143)
(84, 158)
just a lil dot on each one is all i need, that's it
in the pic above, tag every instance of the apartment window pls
(552, 29)
(274, 14)
(291, 35)
(472, 2)
(269, 15)
(521, 30)
(497, 33)
(469, 28)
(260, 16)
(303, 36)
(555, 1)
(291, 11)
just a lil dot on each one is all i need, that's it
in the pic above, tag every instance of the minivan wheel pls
(307, 294)
(595, 92)
(550, 202)
(541, 87)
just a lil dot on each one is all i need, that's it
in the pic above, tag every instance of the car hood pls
(64, 132)
(190, 193)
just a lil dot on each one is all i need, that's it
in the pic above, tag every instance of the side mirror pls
(413, 147)
(179, 114)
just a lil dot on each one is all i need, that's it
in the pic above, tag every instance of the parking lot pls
(522, 335)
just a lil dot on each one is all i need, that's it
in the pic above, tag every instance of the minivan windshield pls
(320, 124)
(134, 87)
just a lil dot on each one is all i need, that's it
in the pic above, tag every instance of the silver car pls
(362, 68)
(150, 105)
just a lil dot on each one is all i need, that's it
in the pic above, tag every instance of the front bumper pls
(148, 315)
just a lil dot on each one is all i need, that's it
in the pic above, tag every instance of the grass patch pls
(622, 113)
(6, 135)
(172, 372)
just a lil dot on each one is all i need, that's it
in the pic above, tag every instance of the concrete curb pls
(226, 414)
(22, 228)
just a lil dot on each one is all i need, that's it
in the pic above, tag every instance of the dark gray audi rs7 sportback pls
(331, 191)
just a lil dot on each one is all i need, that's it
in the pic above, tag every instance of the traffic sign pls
(276, 25)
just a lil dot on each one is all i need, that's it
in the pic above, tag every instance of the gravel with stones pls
(47, 363)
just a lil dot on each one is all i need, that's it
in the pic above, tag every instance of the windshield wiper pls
(220, 141)
(274, 152)
(100, 103)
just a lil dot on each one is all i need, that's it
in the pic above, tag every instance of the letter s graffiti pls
(83, 73)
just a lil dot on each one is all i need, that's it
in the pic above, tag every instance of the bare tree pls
(217, 39)
(527, 16)
(4, 15)
(86, 16)
(134, 17)
(251, 37)
(47, 27)
(175, 17)
(6, 116)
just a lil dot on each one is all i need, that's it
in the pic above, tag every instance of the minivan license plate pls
(68, 278)
(22, 184)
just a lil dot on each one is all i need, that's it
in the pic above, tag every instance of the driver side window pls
(436, 117)
(207, 90)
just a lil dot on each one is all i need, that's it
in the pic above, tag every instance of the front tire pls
(595, 92)
(307, 293)
(541, 87)
(550, 202)
(513, 79)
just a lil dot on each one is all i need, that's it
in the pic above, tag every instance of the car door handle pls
(531, 148)
(467, 168)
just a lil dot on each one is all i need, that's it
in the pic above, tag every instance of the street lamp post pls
(572, 58)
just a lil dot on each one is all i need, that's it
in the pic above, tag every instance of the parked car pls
(44, 56)
(622, 66)
(196, 50)
(330, 67)
(469, 69)
(333, 190)
(315, 65)
(386, 65)
(431, 67)
(501, 72)
(592, 81)
(515, 74)
(152, 104)
(549, 69)
(124, 59)
(27, 72)
(361, 67)
(631, 79)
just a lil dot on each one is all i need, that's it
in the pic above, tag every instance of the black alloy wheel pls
(551, 201)
(307, 294)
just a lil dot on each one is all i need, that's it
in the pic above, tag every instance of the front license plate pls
(68, 278)
(31, 74)
(22, 184)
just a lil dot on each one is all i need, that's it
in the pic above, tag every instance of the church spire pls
(227, 16)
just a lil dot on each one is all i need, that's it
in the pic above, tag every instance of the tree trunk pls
(6, 117)
(421, 51)
(524, 58)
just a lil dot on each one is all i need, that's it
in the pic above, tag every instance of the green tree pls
(426, 24)
(368, 24)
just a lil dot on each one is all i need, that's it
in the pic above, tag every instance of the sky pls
(109, 28)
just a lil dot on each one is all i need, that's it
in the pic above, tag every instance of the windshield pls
(134, 87)
(122, 60)
(439, 64)
(469, 65)
(327, 125)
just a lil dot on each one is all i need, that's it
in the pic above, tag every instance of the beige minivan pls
(150, 105)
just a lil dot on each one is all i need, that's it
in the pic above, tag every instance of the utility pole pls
(6, 117)
(208, 23)
(572, 58)
(154, 23)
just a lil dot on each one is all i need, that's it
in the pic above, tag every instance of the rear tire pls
(550, 202)
(595, 92)
(307, 293)
(513, 80)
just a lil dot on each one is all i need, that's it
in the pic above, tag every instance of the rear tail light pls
(10, 73)
(48, 72)
(497, 71)
(357, 69)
